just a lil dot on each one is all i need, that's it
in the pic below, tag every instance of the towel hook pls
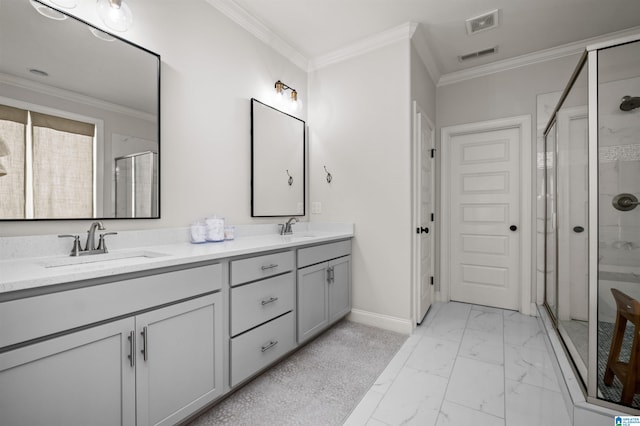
(290, 178)
(329, 177)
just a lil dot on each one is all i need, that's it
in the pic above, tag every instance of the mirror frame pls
(158, 128)
(254, 161)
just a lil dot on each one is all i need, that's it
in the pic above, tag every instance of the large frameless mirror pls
(277, 162)
(75, 101)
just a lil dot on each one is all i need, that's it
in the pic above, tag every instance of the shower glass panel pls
(136, 185)
(592, 223)
(551, 287)
(618, 105)
(567, 195)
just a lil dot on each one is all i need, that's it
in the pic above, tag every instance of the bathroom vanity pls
(154, 339)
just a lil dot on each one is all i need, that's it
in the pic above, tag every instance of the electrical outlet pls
(316, 207)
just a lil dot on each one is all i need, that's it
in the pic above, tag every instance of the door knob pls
(513, 228)
(578, 229)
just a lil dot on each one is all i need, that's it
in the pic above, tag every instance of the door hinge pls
(431, 279)
(433, 217)
(433, 152)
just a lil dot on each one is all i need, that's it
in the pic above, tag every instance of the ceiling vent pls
(478, 54)
(484, 22)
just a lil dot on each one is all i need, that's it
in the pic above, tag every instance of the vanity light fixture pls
(281, 88)
(115, 14)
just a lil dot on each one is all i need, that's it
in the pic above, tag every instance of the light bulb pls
(115, 14)
(296, 104)
(48, 11)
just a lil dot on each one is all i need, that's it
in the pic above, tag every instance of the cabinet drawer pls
(255, 268)
(22, 319)
(320, 253)
(260, 347)
(256, 303)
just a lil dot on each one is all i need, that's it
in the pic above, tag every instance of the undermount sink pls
(106, 257)
(301, 235)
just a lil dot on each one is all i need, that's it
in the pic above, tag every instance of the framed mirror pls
(277, 162)
(74, 102)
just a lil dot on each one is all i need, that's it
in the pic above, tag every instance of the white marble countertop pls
(22, 273)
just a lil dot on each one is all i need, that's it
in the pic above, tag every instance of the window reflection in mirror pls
(62, 69)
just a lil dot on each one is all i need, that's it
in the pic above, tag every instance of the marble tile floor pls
(467, 364)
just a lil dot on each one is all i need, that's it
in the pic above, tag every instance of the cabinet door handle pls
(330, 274)
(269, 300)
(132, 348)
(145, 348)
(269, 345)
(267, 267)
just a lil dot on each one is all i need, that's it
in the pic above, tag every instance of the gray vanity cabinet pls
(262, 326)
(324, 287)
(76, 379)
(179, 360)
(154, 366)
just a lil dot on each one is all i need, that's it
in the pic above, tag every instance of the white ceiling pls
(316, 28)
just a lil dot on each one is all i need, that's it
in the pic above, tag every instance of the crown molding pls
(23, 83)
(401, 32)
(237, 14)
(419, 40)
(532, 58)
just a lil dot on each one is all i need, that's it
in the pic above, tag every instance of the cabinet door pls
(339, 288)
(313, 301)
(179, 363)
(83, 378)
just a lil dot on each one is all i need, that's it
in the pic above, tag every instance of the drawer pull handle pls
(269, 345)
(269, 300)
(267, 267)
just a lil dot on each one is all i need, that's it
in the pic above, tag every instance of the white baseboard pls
(386, 322)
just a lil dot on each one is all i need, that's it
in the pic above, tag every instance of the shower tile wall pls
(619, 163)
(619, 172)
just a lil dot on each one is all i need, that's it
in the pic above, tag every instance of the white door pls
(423, 209)
(485, 217)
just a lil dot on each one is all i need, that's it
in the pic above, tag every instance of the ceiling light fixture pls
(281, 88)
(101, 34)
(115, 14)
(47, 11)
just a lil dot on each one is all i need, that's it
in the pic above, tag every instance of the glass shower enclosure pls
(592, 222)
(136, 178)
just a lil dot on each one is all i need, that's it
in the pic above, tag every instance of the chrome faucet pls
(90, 245)
(286, 228)
(91, 236)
